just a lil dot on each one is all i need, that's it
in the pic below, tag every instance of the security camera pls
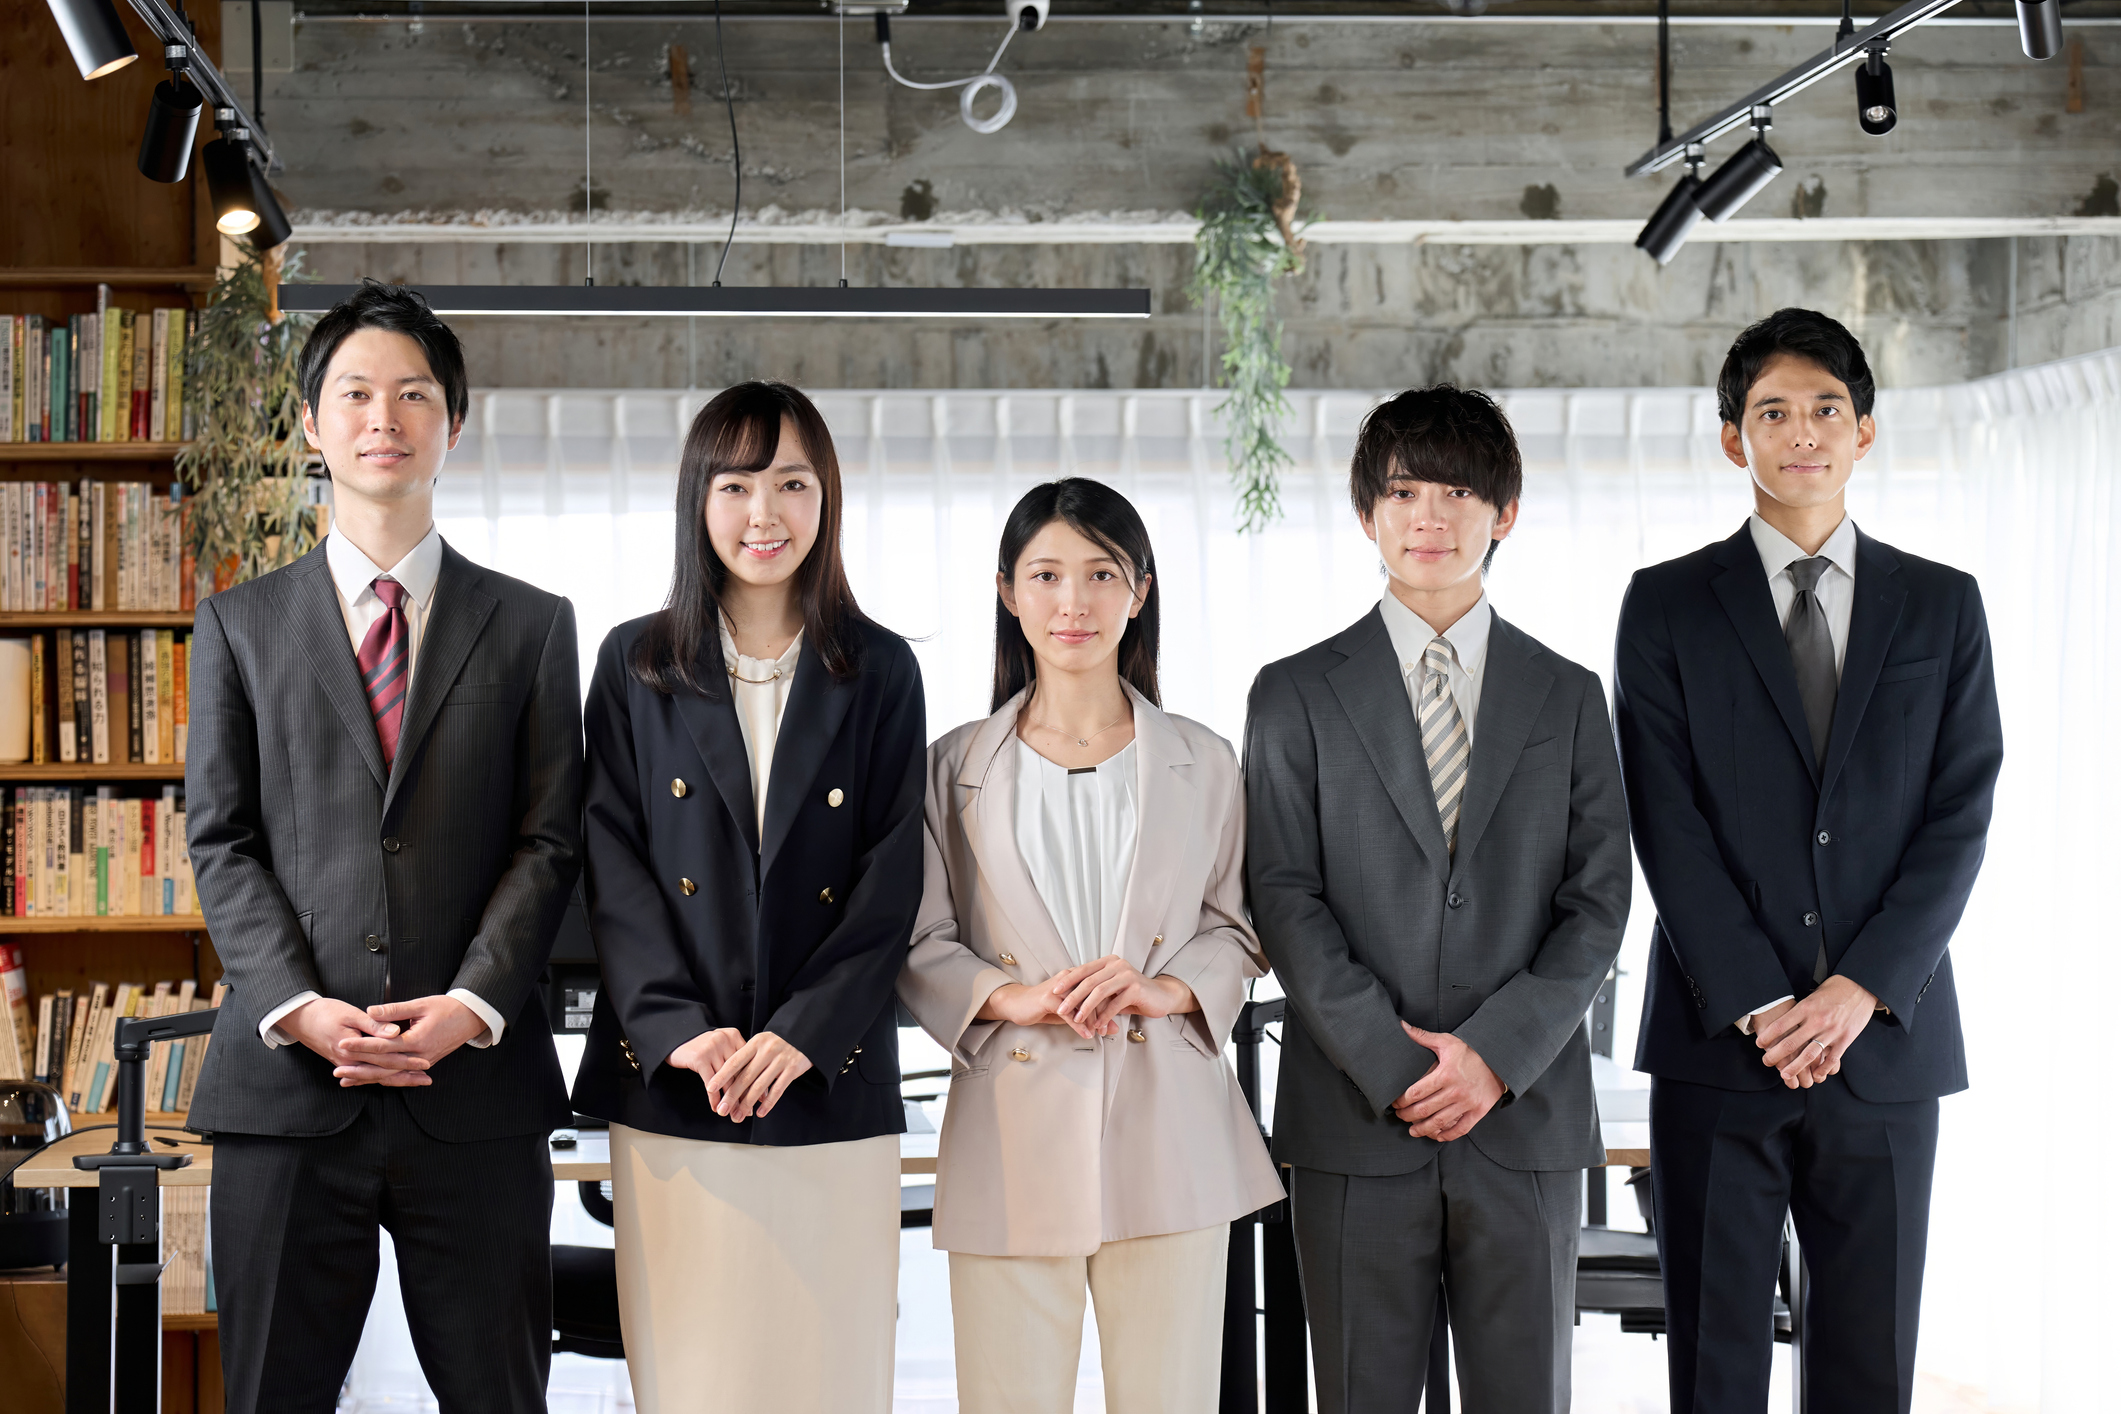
(1028, 14)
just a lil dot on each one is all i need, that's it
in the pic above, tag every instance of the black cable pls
(736, 154)
(257, 65)
(1664, 71)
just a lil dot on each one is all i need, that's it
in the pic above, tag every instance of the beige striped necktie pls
(1444, 741)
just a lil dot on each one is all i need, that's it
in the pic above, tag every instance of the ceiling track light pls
(1876, 112)
(1744, 175)
(172, 122)
(750, 301)
(2039, 28)
(94, 35)
(1676, 216)
(244, 204)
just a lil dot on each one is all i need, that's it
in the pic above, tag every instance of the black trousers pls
(1854, 1177)
(1503, 1243)
(295, 1254)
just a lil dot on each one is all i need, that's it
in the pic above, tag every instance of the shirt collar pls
(1778, 552)
(788, 657)
(353, 571)
(1411, 635)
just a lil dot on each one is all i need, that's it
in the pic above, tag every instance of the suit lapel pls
(318, 623)
(1374, 695)
(988, 819)
(711, 723)
(1513, 688)
(1873, 616)
(1743, 590)
(817, 704)
(460, 611)
(1164, 827)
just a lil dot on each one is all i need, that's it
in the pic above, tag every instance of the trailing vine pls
(246, 469)
(1246, 241)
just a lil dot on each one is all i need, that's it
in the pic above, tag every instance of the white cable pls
(972, 88)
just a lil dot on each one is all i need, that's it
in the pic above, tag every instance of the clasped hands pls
(1455, 1095)
(744, 1079)
(1090, 998)
(394, 1043)
(1805, 1041)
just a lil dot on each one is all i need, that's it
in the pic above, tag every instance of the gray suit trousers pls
(1502, 1243)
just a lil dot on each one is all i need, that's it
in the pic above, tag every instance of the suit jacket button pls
(1020, 1054)
(375, 944)
(1811, 920)
(687, 887)
(1008, 960)
(391, 845)
(824, 895)
(834, 796)
(1454, 900)
(1825, 838)
(678, 788)
(1156, 941)
(1136, 1036)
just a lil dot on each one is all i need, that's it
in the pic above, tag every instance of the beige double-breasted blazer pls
(1051, 1144)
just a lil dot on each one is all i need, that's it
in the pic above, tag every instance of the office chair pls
(585, 1289)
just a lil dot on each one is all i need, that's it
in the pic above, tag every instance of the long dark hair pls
(739, 431)
(1107, 519)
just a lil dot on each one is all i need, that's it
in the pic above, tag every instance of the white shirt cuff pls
(273, 1039)
(494, 1025)
(1745, 1023)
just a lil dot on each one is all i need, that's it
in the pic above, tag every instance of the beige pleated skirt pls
(756, 1280)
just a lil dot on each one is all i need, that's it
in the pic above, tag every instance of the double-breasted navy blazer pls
(697, 926)
(1755, 853)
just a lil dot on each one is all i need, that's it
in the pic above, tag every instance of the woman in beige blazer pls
(1082, 952)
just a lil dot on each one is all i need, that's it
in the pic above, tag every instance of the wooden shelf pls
(197, 278)
(90, 451)
(207, 1322)
(76, 771)
(167, 923)
(98, 618)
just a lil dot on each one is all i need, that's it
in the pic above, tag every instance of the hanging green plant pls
(246, 470)
(1247, 240)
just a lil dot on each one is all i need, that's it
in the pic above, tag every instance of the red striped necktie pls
(386, 663)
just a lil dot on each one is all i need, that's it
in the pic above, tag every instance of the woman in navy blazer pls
(753, 867)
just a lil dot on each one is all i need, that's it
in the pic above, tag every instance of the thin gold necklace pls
(1078, 740)
(774, 676)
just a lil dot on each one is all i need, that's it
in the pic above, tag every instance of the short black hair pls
(1449, 435)
(379, 306)
(1801, 333)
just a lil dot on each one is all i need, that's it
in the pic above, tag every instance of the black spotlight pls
(1675, 218)
(272, 227)
(1875, 108)
(172, 123)
(2039, 27)
(228, 179)
(1740, 179)
(95, 35)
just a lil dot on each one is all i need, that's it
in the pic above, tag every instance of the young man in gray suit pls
(384, 787)
(1437, 854)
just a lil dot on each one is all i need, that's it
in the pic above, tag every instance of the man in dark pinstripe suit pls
(383, 788)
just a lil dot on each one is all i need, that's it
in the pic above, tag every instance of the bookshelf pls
(90, 451)
(128, 923)
(195, 279)
(97, 618)
(76, 771)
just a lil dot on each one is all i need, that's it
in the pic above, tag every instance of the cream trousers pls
(1019, 1326)
(756, 1280)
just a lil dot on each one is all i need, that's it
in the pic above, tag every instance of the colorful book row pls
(118, 375)
(122, 545)
(88, 852)
(97, 696)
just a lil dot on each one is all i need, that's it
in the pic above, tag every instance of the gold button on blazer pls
(1137, 1135)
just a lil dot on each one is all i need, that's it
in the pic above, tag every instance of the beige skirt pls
(756, 1280)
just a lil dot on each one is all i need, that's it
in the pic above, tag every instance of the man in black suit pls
(384, 787)
(1809, 736)
(1437, 861)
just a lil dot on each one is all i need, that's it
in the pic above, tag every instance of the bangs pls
(749, 437)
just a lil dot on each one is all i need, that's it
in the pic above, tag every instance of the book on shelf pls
(94, 697)
(184, 1248)
(18, 1039)
(117, 375)
(90, 852)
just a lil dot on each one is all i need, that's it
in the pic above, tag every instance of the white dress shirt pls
(1076, 830)
(1836, 592)
(1468, 638)
(354, 575)
(760, 691)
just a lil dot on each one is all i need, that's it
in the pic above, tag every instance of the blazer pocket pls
(1538, 754)
(1901, 672)
(1186, 1036)
(465, 694)
(306, 920)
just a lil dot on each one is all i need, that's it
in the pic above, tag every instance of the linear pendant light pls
(751, 301)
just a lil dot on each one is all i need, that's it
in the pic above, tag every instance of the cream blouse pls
(760, 690)
(1075, 830)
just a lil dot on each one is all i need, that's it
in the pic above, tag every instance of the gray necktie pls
(1812, 652)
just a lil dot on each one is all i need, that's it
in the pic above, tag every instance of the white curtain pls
(2012, 478)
